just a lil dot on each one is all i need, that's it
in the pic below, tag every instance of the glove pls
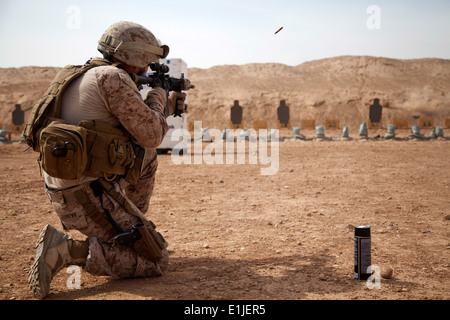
(176, 102)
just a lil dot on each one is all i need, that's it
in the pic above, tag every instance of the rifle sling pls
(124, 202)
(104, 220)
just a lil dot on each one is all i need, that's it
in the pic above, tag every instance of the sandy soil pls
(236, 234)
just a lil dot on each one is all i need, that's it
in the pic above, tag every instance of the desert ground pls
(236, 234)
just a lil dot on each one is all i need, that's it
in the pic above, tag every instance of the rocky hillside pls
(336, 88)
(23, 86)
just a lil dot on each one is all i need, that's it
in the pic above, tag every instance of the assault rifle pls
(160, 78)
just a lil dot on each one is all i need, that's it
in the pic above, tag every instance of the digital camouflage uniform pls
(106, 93)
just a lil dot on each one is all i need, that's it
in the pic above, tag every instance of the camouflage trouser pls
(105, 258)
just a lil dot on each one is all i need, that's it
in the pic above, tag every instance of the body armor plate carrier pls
(92, 148)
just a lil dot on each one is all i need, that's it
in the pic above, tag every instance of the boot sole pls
(40, 276)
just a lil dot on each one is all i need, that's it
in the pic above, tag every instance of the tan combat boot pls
(55, 250)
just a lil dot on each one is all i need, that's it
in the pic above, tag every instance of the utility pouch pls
(144, 240)
(63, 150)
(110, 151)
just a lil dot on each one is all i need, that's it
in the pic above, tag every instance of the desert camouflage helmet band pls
(116, 45)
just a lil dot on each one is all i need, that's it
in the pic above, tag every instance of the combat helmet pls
(132, 44)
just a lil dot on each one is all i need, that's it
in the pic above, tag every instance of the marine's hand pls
(176, 102)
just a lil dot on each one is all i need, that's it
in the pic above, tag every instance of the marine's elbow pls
(155, 138)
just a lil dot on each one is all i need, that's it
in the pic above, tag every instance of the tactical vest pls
(92, 148)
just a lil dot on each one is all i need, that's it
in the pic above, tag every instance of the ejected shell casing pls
(278, 30)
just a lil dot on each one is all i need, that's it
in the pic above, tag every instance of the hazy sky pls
(206, 33)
